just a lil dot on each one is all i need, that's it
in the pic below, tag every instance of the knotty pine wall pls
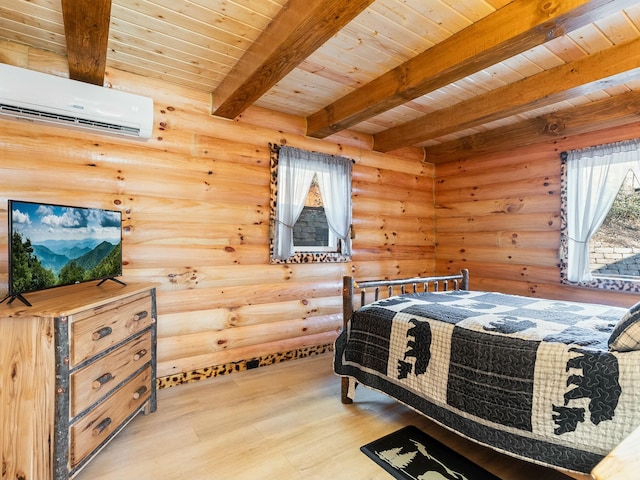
(499, 215)
(195, 204)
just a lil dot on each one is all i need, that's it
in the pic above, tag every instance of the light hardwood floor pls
(280, 422)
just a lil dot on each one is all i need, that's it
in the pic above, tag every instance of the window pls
(310, 206)
(598, 189)
(311, 232)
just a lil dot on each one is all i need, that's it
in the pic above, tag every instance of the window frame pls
(316, 255)
(601, 282)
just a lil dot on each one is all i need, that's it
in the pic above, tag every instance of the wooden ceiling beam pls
(86, 30)
(300, 28)
(513, 29)
(606, 68)
(622, 109)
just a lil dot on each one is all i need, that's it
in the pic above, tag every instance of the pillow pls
(626, 333)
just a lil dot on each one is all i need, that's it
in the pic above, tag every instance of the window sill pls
(618, 284)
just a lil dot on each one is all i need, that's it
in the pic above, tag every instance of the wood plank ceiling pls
(448, 76)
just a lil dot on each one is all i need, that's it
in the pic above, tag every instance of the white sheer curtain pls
(334, 177)
(594, 176)
(296, 169)
(294, 180)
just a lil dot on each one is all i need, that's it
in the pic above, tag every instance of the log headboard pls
(373, 290)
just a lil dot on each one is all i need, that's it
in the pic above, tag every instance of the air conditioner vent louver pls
(29, 113)
(38, 97)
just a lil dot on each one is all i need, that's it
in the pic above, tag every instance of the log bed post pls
(347, 311)
(465, 279)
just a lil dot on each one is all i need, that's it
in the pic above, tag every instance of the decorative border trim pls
(600, 282)
(297, 257)
(233, 367)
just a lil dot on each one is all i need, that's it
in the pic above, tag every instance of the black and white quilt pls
(530, 377)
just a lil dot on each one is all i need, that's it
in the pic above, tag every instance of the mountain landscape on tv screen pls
(55, 245)
(58, 256)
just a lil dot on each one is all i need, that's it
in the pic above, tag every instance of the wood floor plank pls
(280, 422)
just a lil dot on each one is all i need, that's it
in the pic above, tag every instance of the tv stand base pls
(13, 297)
(113, 279)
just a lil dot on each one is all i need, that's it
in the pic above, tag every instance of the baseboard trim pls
(239, 366)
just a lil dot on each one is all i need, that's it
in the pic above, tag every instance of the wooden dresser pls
(75, 368)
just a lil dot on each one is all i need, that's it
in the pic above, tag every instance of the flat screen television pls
(56, 245)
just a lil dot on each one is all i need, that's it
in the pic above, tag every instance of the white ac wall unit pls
(35, 96)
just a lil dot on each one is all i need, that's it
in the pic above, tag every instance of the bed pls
(553, 382)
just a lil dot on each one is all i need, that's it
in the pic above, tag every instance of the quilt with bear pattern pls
(530, 377)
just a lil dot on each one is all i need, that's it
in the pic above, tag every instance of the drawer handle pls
(139, 392)
(101, 427)
(139, 354)
(140, 315)
(103, 332)
(101, 380)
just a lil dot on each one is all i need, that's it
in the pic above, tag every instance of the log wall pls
(499, 215)
(195, 204)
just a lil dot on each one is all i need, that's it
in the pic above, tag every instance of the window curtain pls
(334, 177)
(296, 169)
(594, 177)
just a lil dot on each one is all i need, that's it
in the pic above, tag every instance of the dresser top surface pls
(65, 301)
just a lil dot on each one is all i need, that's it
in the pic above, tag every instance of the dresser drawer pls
(96, 330)
(91, 383)
(91, 430)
